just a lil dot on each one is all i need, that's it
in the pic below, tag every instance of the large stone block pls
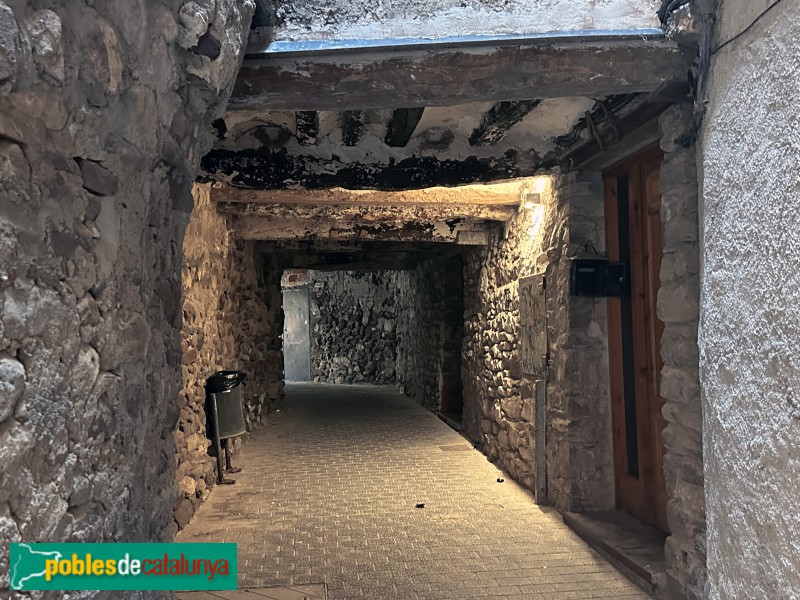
(44, 32)
(677, 169)
(675, 124)
(126, 337)
(15, 175)
(679, 302)
(681, 386)
(687, 415)
(12, 385)
(9, 43)
(97, 179)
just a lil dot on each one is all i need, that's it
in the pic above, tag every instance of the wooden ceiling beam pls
(267, 169)
(250, 227)
(496, 194)
(499, 120)
(352, 124)
(307, 123)
(373, 213)
(401, 126)
(442, 75)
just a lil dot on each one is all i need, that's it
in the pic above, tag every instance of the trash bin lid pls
(222, 381)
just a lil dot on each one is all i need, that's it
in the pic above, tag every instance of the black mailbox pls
(587, 276)
(597, 277)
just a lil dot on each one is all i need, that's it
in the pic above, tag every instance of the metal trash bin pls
(224, 388)
(225, 416)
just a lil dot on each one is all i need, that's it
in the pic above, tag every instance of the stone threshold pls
(452, 419)
(636, 550)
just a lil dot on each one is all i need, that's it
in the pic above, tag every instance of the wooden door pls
(634, 235)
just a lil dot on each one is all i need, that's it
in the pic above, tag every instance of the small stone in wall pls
(126, 340)
(15, 172)
(12, 384)
(44, 32)
(96, 178)
(190, 356)
(9, 129)
(9, 34)
(81, 491)
(195, 17)
(183, 513)
(102, 69)
(48, 108)
(187, 486)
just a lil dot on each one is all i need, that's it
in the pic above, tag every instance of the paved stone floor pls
(328, 495)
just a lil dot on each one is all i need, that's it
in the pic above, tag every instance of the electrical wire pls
(748, 28)
(584, 248)
(667, 6)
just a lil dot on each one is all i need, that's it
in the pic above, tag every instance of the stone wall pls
(499, 401)
(749, 308)
(429, 338)
(354, 316)
(102, 123)
(390, 327)
(580, 473)
(678, 301)
(232, 320)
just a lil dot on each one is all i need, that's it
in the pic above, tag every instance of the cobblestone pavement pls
(329, 491)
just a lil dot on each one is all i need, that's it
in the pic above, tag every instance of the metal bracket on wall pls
(535, 359)
(540, 493)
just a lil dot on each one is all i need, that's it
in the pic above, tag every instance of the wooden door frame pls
(644, 487)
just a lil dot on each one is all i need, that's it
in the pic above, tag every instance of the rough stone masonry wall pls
(499, 403)
(232, 320)
(750, 308)
(678, 301)
(354, 319)
(103, 117)
(429, 334)
(389, 327)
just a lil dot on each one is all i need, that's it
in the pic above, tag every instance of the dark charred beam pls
(342, 247)
(601, 112)
(379, 264)
(262, 168)
(358, 261)
(497, 122)
(352, 124)
(402, 125)
(442, 75)
(613, 132)
(453, 231)
(355, 255)
(307, 122)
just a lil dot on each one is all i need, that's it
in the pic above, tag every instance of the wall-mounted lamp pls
(531, 196)
(531, 199)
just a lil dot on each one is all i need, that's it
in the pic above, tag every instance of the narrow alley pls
(488, 298)
(328, 494)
